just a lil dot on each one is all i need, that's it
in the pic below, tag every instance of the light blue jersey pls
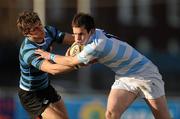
(107, 49)
(32, 78)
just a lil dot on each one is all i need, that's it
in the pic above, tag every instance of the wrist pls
(52, 57)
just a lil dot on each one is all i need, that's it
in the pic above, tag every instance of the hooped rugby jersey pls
(123, 59)
(32, 78)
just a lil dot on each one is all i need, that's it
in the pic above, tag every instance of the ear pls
(91, 31)
(28, 35)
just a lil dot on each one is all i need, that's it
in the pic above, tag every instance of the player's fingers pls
(39, 57)
(39, 51)
(36, 51)
(67, 52)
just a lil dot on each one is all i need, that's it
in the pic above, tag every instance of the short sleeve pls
(32, 59)
(88, 54)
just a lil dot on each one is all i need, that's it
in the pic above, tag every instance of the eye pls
(80, 34)
(37, 28)
(33, 29)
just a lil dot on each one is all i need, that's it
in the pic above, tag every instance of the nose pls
(78, 37)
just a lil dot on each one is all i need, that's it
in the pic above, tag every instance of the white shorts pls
(149, 88)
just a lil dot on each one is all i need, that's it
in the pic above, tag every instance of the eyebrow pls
(78, 33)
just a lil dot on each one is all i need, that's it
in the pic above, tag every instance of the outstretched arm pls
(53, 69)
(61, 60)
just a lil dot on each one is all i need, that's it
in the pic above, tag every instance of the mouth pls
(80, 42)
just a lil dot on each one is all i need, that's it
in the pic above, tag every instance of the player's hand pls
(43, 54)
(67, 52)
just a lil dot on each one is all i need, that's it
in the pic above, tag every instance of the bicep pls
(88, 54)
(31, 59)
(67, 60)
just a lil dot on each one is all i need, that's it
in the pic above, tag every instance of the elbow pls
(53, 73)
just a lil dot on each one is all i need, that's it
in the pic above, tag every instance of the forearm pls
(65, 60)
(53, 69)
(61, 69)
(62, 60)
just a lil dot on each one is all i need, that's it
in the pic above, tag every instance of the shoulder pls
(54, 33)
(27, 47)
(98, 38)
(52, 30)
(27, 44)
(49, 28)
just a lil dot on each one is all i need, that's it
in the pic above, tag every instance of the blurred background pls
(151, 26)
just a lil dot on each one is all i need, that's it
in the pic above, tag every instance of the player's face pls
(37, 33)
(81, 35)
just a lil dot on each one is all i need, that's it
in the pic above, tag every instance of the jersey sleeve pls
(55, 34)
(88, 54)
(32, 59)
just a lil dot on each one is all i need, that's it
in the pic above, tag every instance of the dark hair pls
(26, 21)
(83, 20)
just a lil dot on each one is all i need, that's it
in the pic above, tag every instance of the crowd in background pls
(150, 26)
